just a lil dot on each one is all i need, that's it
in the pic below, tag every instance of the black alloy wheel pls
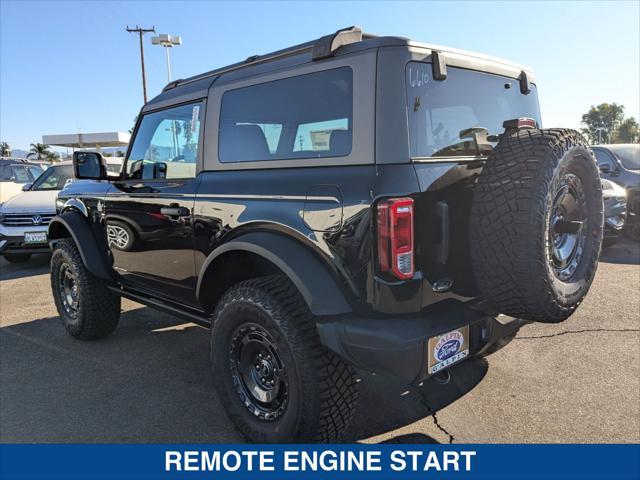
(566, 232)
(258, 371)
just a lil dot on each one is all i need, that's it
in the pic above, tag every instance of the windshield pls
(629, 155)
(54, 178)
(35, 171)
(439, 110)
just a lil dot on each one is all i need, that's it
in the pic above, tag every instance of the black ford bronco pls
(355, 201)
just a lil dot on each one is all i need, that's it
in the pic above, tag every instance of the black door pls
(149, 212)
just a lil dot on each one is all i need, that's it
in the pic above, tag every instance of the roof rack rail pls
(326, 46)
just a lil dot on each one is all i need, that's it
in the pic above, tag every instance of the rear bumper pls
(398, 346)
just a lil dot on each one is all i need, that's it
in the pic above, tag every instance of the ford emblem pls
(448, 345)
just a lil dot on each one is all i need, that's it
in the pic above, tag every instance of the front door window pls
(166, 144)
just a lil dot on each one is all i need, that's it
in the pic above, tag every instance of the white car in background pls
(14, 173)
(24, 218)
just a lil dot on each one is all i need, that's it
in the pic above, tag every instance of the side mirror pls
(604, 168)
(26, 187)
(89, 166)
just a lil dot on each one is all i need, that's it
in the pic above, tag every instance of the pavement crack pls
(586, 330)
(441, 428)
(433, 415)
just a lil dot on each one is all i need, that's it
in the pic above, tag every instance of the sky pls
(69, 67)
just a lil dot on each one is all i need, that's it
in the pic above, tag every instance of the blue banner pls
(325, 462)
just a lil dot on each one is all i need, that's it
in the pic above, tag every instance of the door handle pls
(174, 211)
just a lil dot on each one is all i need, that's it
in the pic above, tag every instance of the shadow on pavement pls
(36, 265)
(622, 252)
(388, 403)
(150, 382)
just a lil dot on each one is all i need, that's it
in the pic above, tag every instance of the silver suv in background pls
(620, 163)
(24, 218)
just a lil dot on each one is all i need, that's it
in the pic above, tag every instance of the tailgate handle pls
(442, 250)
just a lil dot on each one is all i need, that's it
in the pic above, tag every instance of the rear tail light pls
(519, 123)
(395, 237)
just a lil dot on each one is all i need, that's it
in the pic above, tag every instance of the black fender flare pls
(320, 289)
(88, 245)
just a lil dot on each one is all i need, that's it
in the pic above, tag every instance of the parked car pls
(620, 163)
(357, 201)
(25, 217)
(14, 173)
(615, 211)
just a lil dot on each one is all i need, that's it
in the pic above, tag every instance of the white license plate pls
(35, 237)
(447, 349)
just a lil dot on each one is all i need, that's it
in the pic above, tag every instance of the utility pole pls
(141, 32)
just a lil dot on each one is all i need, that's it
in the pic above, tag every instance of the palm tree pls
(5, 149)
(40, 151)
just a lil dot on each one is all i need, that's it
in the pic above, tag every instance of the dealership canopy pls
(88, 140)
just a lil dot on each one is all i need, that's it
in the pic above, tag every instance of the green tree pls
(601, 122)
(5, 149)
(628, 131)
(40, 151)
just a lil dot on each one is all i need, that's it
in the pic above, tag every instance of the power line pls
(141, 32)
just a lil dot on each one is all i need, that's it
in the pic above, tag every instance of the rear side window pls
(439, 110)
(308, 116)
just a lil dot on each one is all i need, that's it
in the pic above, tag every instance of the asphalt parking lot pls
(150, 382)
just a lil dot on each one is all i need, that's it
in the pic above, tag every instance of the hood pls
(43, 201)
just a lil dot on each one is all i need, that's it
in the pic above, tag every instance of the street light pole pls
(167, 41)
(141, 32)
(168, 65)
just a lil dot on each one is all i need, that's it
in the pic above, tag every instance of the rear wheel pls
(88, 309)
(274, 378)
(536, 224)
(17, 257)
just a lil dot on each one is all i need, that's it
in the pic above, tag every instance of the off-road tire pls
(322, 388)
(17, 257)
(98, 310)
(510, 218)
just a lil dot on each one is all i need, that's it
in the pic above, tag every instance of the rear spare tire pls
(536, 224)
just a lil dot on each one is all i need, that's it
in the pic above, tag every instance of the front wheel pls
(88, 309)
(274, 378)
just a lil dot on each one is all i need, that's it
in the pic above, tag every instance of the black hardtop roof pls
(295, 55)
(346, 41)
